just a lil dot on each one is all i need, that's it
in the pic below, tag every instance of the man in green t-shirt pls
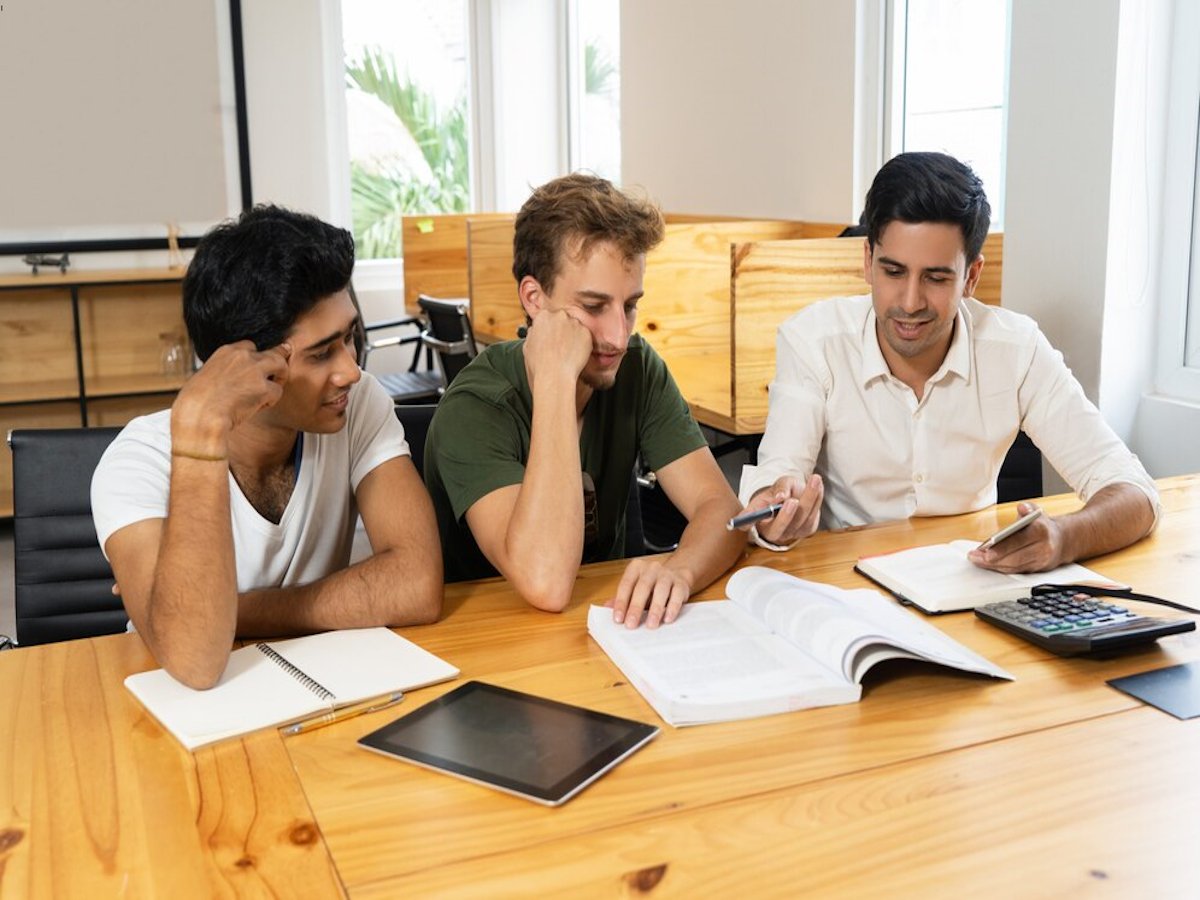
(530, 455)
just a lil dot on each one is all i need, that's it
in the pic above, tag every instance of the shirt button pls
(919, 478)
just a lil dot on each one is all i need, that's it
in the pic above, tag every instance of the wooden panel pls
(988, 289)
(37, 347)
(435, 255)
(773, 280)
(33, 415)
(98, 800)
(495, 310)
(123, 331)
(54, 278)
(685, 314)
(120, 410)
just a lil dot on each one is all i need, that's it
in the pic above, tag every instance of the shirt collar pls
(957, 361)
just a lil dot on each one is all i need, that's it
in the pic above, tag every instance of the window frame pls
(1179, 264)
(895, 94)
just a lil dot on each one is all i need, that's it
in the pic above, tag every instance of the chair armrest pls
(392, 323)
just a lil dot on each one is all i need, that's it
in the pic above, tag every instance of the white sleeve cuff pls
(764, 543)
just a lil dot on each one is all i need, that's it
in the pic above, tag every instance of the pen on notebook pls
(750, 518)
(346, 712)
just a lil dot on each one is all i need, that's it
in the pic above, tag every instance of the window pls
(454, 105)
(595, 86)
(948, 83)
(1179, 329)
(406, 115)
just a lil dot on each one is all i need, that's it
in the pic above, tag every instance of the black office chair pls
(416, 418)
(448, 333)
(662, 522)
(410, 385)
(63, 582)
(635, 542)
(1021, 472)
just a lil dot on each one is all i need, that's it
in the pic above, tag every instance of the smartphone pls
(1009, 530)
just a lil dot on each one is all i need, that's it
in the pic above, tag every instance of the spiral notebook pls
(287, 681)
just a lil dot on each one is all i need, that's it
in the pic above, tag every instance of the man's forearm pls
(706, 547)
(390, 588)
(544, 539)
(190, 616)
(1115, 517)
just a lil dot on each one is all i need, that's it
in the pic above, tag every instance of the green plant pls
(380, 196)
(598, 70)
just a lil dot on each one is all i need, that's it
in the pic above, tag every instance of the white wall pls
(740, 109)
(1060, 133)
(1086, 147)
(287, 104)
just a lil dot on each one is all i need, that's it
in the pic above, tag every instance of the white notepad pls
(285, 681)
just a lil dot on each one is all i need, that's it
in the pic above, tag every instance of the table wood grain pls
(936, 784)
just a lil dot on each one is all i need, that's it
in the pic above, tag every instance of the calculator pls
(1067, 622)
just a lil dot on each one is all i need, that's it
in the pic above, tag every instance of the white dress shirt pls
(836, 409)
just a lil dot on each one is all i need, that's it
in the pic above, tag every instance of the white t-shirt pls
(836, 409)
(314, 536)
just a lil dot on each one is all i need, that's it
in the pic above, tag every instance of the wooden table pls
(936, 784)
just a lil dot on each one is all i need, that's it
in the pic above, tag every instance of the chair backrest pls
(63, 582)
(449, 333)
(416, 418)
(1021, 472)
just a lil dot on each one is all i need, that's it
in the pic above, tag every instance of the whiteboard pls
(119, 117)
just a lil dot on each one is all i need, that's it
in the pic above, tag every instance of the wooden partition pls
(435, 255)
(774, 279)
(686, 313)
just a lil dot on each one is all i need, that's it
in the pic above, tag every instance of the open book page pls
(1071, 573)
(941, 577)
(360, 663)
(714, 663)
(256, 691)
(847, 631)
(253, 692)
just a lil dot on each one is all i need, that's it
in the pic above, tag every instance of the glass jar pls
(173, 356)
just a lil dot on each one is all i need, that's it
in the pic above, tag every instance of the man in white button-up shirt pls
(904, 402)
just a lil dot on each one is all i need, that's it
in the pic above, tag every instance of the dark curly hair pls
(928, 187)
(253, 276)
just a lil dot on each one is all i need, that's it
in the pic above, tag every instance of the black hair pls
(929, 187)
(253, 276)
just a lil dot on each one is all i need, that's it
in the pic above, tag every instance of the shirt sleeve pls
(796, 416)
(376, 435)
(668, 430)
(479, 449)
(1071, 432)
(132, 481)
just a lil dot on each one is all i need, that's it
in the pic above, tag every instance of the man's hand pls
(801, 508)
(233, 384)
(650, 585)
(1038, 547)
(556, 342)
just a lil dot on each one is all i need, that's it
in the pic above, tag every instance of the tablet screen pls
(526, 745)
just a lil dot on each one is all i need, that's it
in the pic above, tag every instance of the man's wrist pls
(768, 545)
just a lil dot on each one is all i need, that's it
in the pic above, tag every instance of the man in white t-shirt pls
(233, 512)
(903, 402)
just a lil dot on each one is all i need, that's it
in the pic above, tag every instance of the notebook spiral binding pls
(295, 671)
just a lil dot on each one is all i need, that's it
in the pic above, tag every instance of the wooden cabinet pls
(85, 348)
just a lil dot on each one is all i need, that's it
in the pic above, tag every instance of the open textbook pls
(287, 681)
(777, 644)
(939, 578)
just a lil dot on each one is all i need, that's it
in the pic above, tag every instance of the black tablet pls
(529, 746)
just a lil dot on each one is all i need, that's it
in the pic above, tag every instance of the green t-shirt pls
(478, 442)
